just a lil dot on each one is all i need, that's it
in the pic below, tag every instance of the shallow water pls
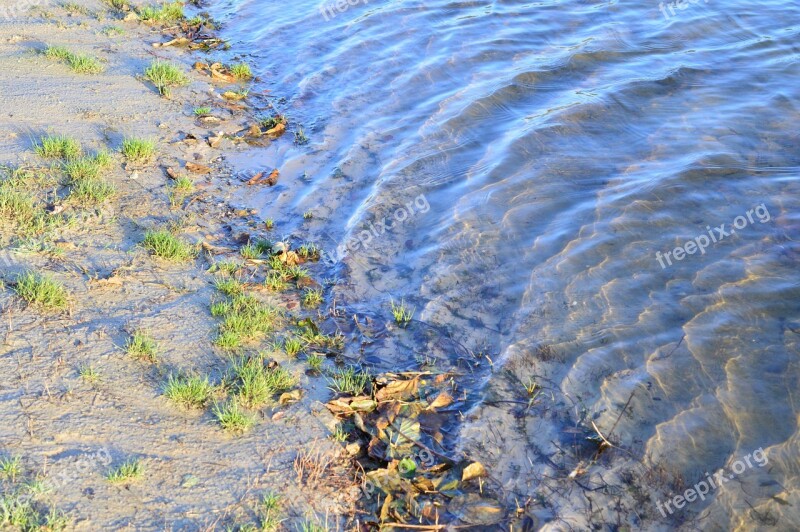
(540, 155)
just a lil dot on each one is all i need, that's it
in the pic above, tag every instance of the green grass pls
(130, 470)
(88, 373)
(269, 223)
(241, 71)
(180, 189)
(250, 251)
(339, 434)
(272, 121)
(314, 362)
(84, 178)
(254, 384)
(111, 31)
(201, 111)
(269, 511)
(300, 137)
(80, 63)
(275, 281)
(292, 346)
(142, 346)
(164, 76)
(349, 381)
(229, 286)
(58, 147)
(189, 391)
(74, 8)
(137, 150)
(310, 252)
(231, 417)
(11, 467)
(312, 298)
(20, 207)
(166, 12)
(163, 244)
(119, 5)
(245, 318)
(41, 290)
(308, 215)
(18, 512)
(402, 314)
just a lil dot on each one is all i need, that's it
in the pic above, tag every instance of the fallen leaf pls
(255, 179)
(222, 76)
(442, 400)
(475, 510)
(172, 173)
(276, 131)
(214, 142)
(474, 470)
(290, 397)
(235, 96)
(197, 168)
(399, 389)
(254, 131)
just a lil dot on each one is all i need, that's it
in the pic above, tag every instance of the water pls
(549, 151)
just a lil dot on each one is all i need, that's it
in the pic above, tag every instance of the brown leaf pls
(235, 96)
(254, 131)
(197, 168)
(442, 400)
(219, 75)
(474, 470)
(290, 397)
(401, 390)
(172, 173)
(214, 142)
(276, 131)
(255, 179)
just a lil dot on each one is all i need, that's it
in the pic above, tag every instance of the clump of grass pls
(189, 391)
(119, 5)
(349, 381)
(312, 298)
(269, 510)
(142, 346)
(241, 71)
(273, 121)
(226, 267)
(88, 373)
(113, 30)
(137, 150)
(292, 346)
(275, 281)
(250, 251)
(339, 434)
(130, 470)
(269, 223)
(84, 175)
(165, 76)
(202, 111)
(58, 147)
(300, 137)
(162, 243)
(18, 512)
(231, 417)
(166, 12)
(254, 384)
(230, 287)
(180, 189)
(11, 467)
(245, 318)
(402, 314)
(41, 290)
(310, 252)
(308, 215)
(314, 362)
(80, 63)
(74, 8)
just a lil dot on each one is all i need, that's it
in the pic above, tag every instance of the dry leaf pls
(442, 400)
(276, 131)
(398, 390)
(235, 96)
(474, 470)
(197, 168)
(290, 397)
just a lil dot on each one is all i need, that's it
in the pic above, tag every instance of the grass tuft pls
(162, 243)
(80, 63)
(232, 418)
(138, 151)
(241, 71)
(254, 383)
(129, 470)
(349, 381)
(402, 314)
(166, 12)
(141, 346)
(189, 391)
(58, 147)
(245, 318)
(41, 291)
(164, 76)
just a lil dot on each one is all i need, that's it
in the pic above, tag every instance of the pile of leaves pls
(400, 443)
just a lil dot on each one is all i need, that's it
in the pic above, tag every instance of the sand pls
(69, 432)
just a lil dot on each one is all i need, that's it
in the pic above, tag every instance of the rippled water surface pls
(529, 160)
